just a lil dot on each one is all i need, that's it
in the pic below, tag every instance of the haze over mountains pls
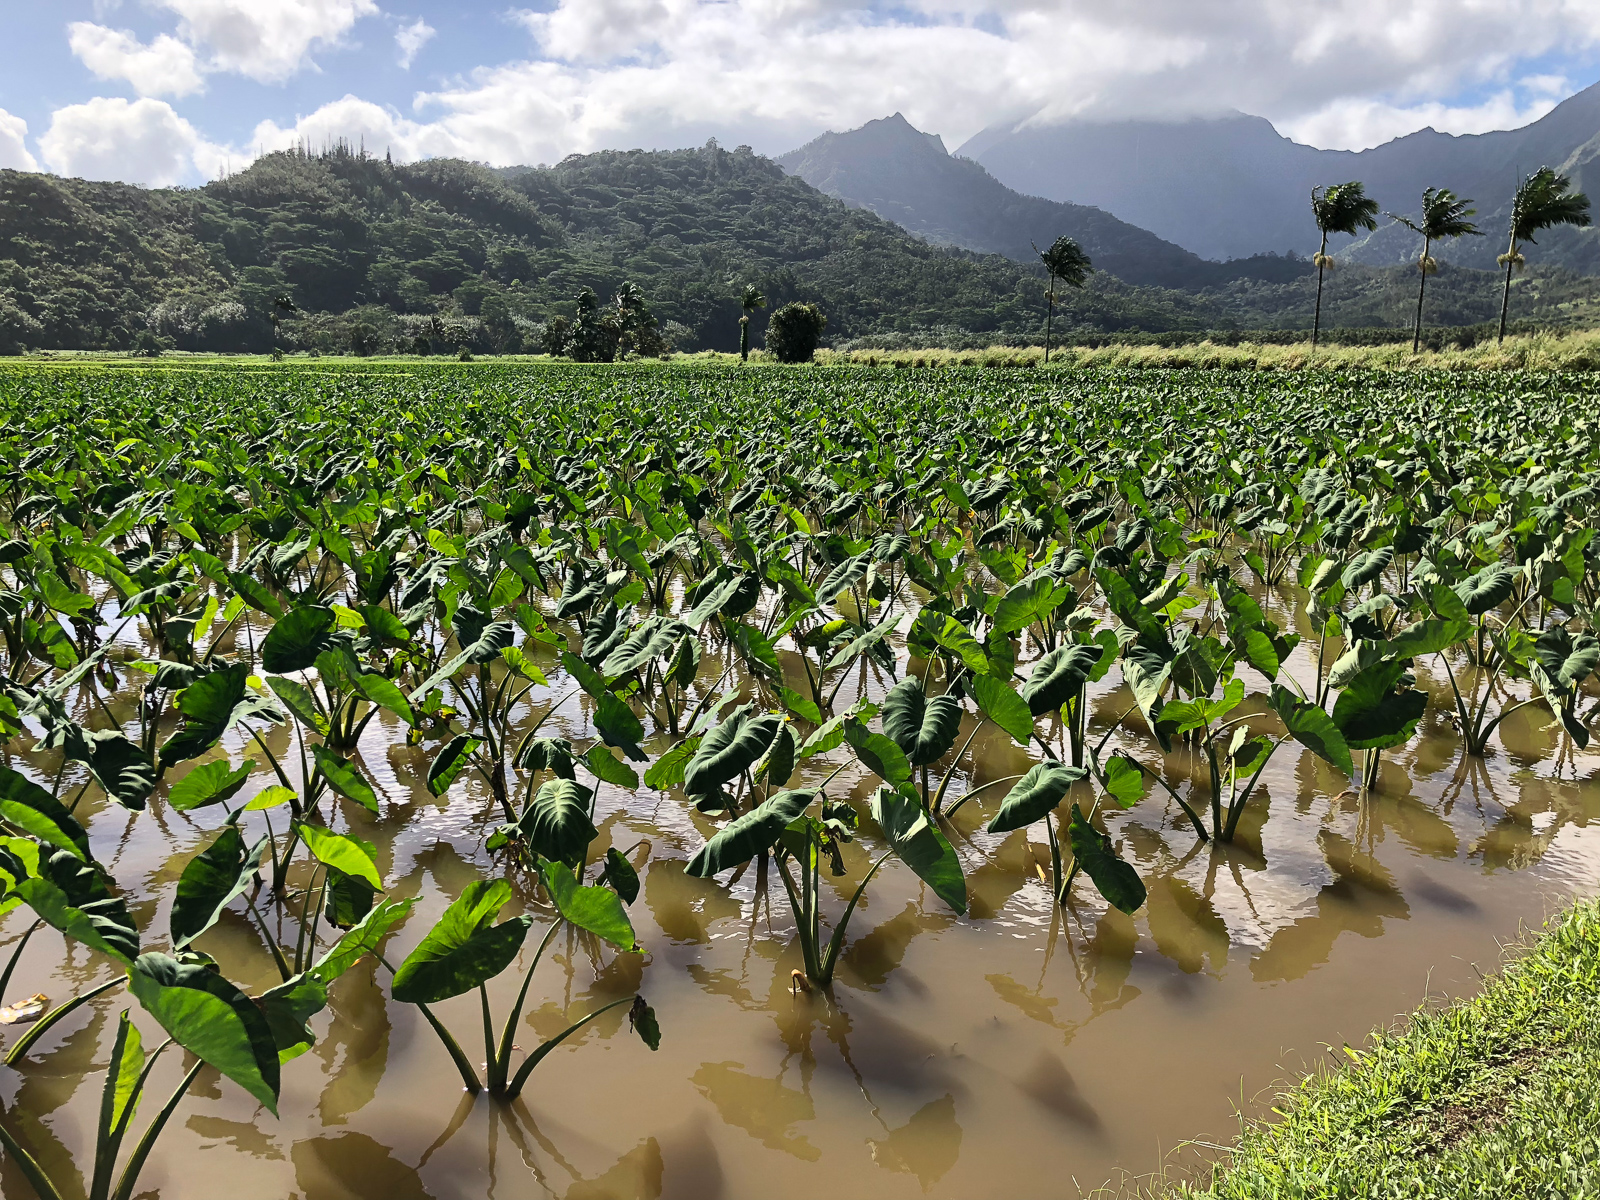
(908, 177)
(1233, 186)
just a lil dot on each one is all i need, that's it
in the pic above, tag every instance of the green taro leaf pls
(211, 706)
(70, 895)
(923, 729)
(454, 758)
(1124, 781)
(301, 701)
(918, 843)
(342, 852)
(1566, 659)
(212, 1019)
(1372, 715)
(1311, 727)
(669, 770)
(609, 769)
(1489, 588)
(1028, 601)
(843, 577)
(729, 749)
(1059, 676)
(296, 639)
(288, 1008)
(1115, 879)
(1001, 704)
(1035, 795)
(210, 881)
(619, 873)
(618, 725)
(210, 783)
(596, 909)
(744, 837)
(362, 940)
(343, 777)
(26, 806)
(119, 766)
(878, 754)
(781, 757)
(464, 949)
(556, 821)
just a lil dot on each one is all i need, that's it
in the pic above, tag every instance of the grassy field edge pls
(1550, 351)
(1498, 1095)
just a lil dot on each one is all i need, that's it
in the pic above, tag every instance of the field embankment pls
(1494, 1096)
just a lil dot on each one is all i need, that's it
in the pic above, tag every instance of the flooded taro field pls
(528, 782)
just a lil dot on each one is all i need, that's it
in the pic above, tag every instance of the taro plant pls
(785, 826)
(466, 948)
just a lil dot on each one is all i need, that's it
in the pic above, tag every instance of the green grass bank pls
(1496, 1096)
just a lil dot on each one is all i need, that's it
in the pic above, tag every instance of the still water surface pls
(1014, 1052)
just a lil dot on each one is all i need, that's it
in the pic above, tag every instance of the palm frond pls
(1344, 208)
(1545, 199)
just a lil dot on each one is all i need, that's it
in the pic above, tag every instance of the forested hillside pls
(340, 250)
(462, 252)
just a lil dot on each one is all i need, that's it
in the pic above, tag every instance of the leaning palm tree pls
(1066, 261)
(1338, 208)
(750, 301)
(1444, 215)
(1543, 199)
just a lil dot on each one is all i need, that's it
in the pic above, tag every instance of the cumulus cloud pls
(134, 141)
(13, 143)
(166, 67)
(266, 40)
(774, 72)
(1359, 124)
(411, 39)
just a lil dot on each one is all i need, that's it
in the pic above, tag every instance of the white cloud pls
(13, 143)
(138, 141)
(619, 73)
(411, 39)
(165, 67)
(266, 40)
(1357, 124)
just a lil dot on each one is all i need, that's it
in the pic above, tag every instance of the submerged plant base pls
(1494, 1096)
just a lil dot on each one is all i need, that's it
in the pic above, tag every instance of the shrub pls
(794, 331)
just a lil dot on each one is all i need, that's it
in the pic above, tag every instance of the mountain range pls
(1234, 186)
(908, 177)
(1192, 226)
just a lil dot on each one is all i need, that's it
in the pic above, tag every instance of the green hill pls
(446, 247)
(444, 254)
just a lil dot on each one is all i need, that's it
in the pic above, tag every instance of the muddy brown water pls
(1019, 1051)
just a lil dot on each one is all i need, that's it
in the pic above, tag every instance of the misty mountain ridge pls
(907, 176)
(1234, 186)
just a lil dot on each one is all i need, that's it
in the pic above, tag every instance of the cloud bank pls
(591, 74)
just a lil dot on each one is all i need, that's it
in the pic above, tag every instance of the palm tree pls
(1066, 261)
(750, 301)
(1444, 215)
(1339, 208)
(1543, 199)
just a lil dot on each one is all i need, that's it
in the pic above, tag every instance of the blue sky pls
(176, 91)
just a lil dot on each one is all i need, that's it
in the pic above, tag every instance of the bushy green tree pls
(594, 332)
(795, 331)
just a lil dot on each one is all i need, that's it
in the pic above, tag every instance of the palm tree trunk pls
(1049, 317)
(1316, 320)
(1505, 296)
(1422, 270)
(744, 339)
